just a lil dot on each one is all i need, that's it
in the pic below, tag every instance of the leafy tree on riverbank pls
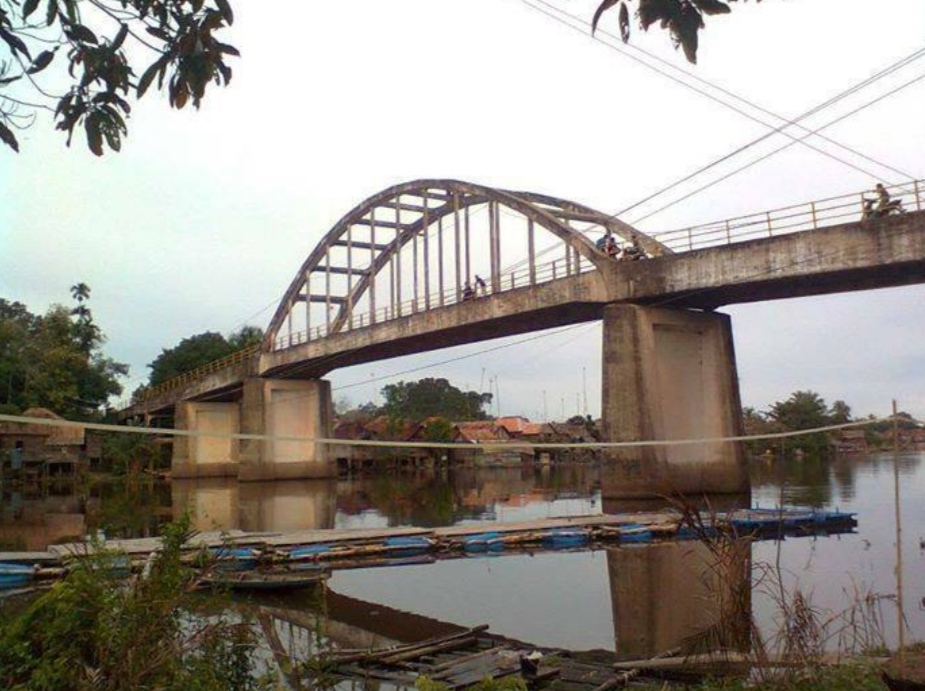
(55, 361)
(433, 398)
(802, 410)
(200, 350)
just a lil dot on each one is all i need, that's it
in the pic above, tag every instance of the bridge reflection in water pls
(638, 600)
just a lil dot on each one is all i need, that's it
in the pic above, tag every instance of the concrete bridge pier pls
(205, 456)
(286, 408)
(670, 374)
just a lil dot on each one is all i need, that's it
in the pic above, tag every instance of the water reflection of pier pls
(662, 596)
(222, 504)
(672, 593)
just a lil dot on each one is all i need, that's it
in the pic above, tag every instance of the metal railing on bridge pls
(196, 374)
(783, 221)
(510, 280)
(786, 220)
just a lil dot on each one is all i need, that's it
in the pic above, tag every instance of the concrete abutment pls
(670, 375)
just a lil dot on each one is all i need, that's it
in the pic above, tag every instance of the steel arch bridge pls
(433, 243)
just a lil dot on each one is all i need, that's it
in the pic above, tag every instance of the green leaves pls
(41, 61)
(8, 138)
(189, 59)
(603, 7)
(16, 44)
(682, 18)
(28, 7)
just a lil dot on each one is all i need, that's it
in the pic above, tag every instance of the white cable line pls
(779, 149)
(100, 427)
(777, 130)
(461, 357)
(622, 47)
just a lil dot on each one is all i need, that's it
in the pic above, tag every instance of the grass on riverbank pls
(860, 675)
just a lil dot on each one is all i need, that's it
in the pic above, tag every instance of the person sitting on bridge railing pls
(883, 197)
(634, 250)
(467, 293)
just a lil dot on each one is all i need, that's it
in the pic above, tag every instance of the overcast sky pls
(203, 219)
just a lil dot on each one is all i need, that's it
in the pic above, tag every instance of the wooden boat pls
(15, 575)
(265, 580)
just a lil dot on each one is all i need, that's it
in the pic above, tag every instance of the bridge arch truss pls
(417, 246)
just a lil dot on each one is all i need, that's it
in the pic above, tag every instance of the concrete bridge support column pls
(670, 374)
(205, 456)
(286, 408)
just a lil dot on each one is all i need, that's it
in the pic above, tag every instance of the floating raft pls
(366, 548)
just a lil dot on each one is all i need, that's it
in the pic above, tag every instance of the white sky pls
(204, 218)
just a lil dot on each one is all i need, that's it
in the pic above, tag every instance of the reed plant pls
(799, 651)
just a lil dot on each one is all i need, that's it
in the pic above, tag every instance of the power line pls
(461, 357)
(779, 149)
(623, 48)
(777, 130)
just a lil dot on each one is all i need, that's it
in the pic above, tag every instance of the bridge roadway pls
(852, 256)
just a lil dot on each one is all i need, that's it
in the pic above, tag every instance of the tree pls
(803, 410)
(55, 361)
(840, 413)
(201, 349)
(87, 44)
(433, 397)
(682, 18)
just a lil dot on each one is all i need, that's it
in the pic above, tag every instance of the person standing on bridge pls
(480, 287)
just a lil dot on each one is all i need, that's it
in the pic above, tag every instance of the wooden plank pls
(48, 557)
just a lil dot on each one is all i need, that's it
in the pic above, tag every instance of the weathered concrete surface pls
(670, 374)
(878, 253)
(854, 256)
(285, 408)
(206, 456)
(669, 592)
(557, 303)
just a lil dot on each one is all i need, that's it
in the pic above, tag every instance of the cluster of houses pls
(502, 441)
(28, 450)
(861, 441)
(37, 450)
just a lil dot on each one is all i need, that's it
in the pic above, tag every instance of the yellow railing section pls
(198, 373)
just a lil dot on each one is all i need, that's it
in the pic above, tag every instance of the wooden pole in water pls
(899, 544)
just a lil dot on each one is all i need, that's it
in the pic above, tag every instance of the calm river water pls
(637, 600)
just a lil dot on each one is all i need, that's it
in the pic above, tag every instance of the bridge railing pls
(195, 374)
(787, 220)
(782, 221)
(511, 279)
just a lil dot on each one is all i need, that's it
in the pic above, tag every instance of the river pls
(636, 600)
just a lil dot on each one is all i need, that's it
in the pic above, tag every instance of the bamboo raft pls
(367, 548)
